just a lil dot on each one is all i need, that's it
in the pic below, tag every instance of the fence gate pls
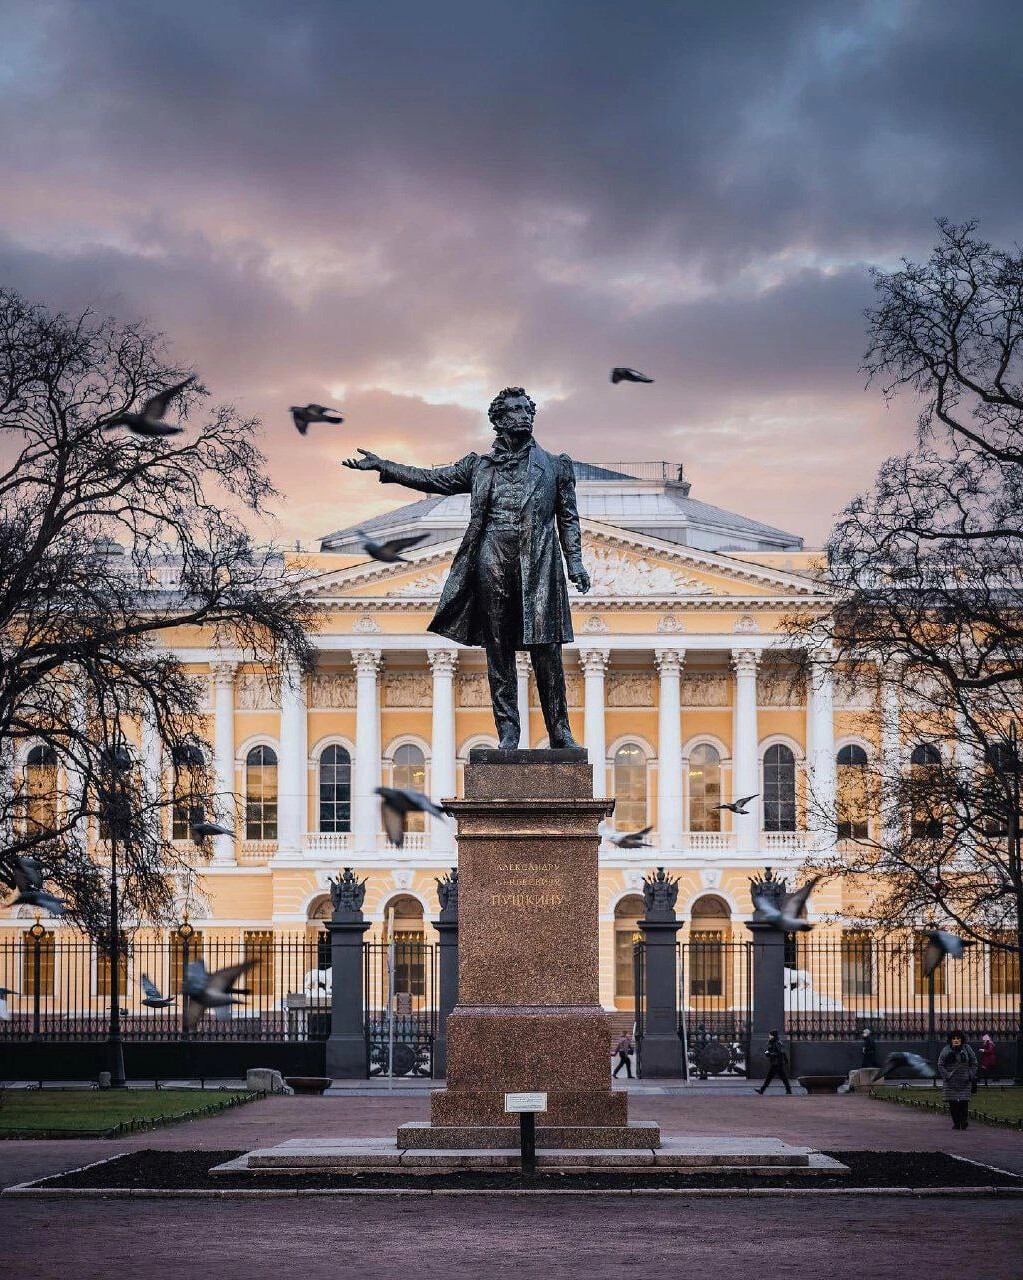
(400, 1007)
(715, 985)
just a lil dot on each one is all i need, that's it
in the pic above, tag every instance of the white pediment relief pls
(427, 585)
(617, 573)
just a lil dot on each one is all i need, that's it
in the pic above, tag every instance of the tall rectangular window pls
(857, 963)
(706, 963)
(1004, 969)
(47, 964)
(259, 946)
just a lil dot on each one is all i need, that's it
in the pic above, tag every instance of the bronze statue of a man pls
(506, 590)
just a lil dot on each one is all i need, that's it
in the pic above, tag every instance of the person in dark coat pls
(506, 589)
(777, 1057)
(868, 1051)
(988, 1060)
(624, 1049)
(957, 1066)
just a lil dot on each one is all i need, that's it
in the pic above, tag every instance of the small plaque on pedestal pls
(518, 1102)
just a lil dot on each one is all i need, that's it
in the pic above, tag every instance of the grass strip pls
(88, 1113)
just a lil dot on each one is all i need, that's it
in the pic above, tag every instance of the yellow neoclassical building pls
(679, 685)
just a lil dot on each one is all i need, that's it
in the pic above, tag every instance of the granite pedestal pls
(528, 1016)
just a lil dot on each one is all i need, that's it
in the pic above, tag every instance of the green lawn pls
(1004, 1105)
(27, 1112)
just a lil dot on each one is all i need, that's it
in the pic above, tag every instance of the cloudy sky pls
(401, 207)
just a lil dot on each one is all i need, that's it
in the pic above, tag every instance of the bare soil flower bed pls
(189, 1170)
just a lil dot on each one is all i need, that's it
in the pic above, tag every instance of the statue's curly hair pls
(494, 412)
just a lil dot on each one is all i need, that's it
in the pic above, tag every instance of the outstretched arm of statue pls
(443, 480)
(568, 525)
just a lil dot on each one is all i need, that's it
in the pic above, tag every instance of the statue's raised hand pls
(368, 461)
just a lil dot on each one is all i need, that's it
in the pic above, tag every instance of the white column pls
(891, 750)
(594, 663)
(151, 750)
(966, 766)
(745, 740)
(226, 807)
(669, 748)
(523, 665)
(292, 769)
(443, 783)
(821, 775)
(365, 804)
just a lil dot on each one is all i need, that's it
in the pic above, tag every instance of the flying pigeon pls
(941, 944)
(395, 805)
(622, 374)
(117, 759)
(910, 1065)
(203, 830)
(150, 421)
(28, 880)
(5, 1013)
(624, 839)
(216, 991)
(738, 806)
(390, 551)
(790, 914)
(153, 999)
(189, 755)
(304, 415)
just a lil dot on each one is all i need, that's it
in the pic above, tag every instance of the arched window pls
(852, 792)
(409, 947)
(779, 789)
(41, 788)
(261, 794)
(925, 823)
(410, 773)
(335, 789)
(628, 913)
(710, 930)
(704, 788)
(630, 788)
(996, 797)
(188, 782)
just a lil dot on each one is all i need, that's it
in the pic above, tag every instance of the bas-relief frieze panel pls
(253, 692)
(429, 584)
(780, 688)
(705, 689)
(472, 689)
(854, 695)
(407, 689)
(629, 689)
(332, 690)
(204, 690)
(613, 573)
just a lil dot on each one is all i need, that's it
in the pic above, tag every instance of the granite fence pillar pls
(768, 992)
(660, 1051)
(447, 948)
(346, 1047)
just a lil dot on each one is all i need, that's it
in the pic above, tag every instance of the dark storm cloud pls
(411, 203)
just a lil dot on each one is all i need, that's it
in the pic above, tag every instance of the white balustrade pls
(709, 841)
(325, 843)
(785, 841)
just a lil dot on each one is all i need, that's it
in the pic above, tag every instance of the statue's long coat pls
(548, 501)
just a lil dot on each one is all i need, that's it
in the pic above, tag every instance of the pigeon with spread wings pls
(390, 551)
(304, 415)
(216, 991)
(28, 880)
(149, 422)
(738, 806)
(153, 999)
(940, 944)
(621, 373)
(789, 913)
(624, 839)
(396, 803)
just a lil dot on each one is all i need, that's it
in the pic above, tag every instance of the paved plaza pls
(387, 1236)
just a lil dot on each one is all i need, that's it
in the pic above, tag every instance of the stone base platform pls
(763, 1156)
(421, 1135)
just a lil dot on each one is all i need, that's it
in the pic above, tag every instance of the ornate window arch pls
(40, 771)
(925, 824)
(630, 784)
(779, 787)
(261, 772)
(628, 911)
(334, 786)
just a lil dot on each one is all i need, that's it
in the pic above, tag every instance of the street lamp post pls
(36, 933)
(1016, 876)
(115, 803)
(186, 933)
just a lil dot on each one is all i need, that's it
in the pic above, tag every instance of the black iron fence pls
(836, 987)
(400, 1007)
(59, 988)
(715, 982)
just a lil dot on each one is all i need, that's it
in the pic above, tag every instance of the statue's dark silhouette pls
(506, 590)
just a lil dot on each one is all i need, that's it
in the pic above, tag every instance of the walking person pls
(624, 1049)
(957, 1066)
(988, 1060)
(777, 1058)
(868, 1052)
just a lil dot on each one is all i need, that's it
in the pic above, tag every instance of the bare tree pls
(111, 543)
(925, 574)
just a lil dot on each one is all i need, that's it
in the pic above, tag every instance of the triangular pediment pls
(622, 566)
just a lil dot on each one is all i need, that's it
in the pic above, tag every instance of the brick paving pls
(505, 1236)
